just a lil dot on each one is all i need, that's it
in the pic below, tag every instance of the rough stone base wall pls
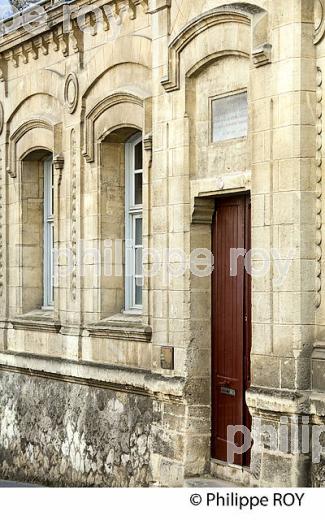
(67, 434)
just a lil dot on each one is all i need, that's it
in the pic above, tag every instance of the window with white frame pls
(133, 223)
(48, 226)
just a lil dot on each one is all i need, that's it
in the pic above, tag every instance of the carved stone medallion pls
(319, 21)
(71, 92)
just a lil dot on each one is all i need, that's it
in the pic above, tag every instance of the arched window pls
(133, 223)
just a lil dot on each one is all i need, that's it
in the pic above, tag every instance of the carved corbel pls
(62, 40)
(106, 22)
(131, 9)
(51, 40)
(58, 163)
(4, 73)
(92, 23)
(30, 48)
(145, 5)
(10, 56)
(11, 174)
(117, 12)
(262, 55)
(41, 44)
(261, 48)
(203, 211)
(147, 144)
(21, 53)
(76, 41)
(76, 37)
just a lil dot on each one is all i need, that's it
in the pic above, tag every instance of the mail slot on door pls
(228, 391)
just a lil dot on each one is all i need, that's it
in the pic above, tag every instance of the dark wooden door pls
(231, 323)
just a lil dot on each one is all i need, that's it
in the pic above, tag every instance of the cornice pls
(60, 31)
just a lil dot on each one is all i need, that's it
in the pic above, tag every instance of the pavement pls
(10, 484)
(208, 482)
(191, 483)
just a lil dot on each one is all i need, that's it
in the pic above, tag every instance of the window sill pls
(38, 320)
(132, 312)
(121, 326)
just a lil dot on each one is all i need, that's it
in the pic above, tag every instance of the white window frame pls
(132, 213)
(48, 233)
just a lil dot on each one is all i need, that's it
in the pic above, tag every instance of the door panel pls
(230, 323)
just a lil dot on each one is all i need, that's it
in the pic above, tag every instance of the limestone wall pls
(155, 67)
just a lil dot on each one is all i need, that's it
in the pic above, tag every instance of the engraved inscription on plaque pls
(229, 117)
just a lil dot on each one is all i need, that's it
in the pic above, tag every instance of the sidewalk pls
(9, 484)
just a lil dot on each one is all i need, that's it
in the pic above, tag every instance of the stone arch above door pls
(240, 29)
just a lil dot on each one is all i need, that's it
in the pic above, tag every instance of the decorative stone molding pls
(147, 145)
(73, 153)
(319, 11)
(58, 162)
(1, 117)
(52, 34)
(1, 227)
(40, 44)
(147, 142)
(96, 112)
(122, 378)
(4, 73)
(76, 41)
(71, 330)
(36, 323)
(203, 212)
(17, 135)
(319, 181)
(122, 330)
(235, 13)
(71, 92)
(262, 55)
(33, 48)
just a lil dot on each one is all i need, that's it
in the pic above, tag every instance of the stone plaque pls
(167, 358)
(229, 117)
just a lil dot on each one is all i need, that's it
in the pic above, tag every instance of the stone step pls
(208, 482)
(237, 475)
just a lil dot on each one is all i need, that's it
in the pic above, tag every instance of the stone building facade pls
(126, 126)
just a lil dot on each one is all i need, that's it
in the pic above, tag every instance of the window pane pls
(138, 232)
(138, 188)
(138, 292)
(48, 230)
(138, 156)
(52, 191)
(51, 267)
(138, 261)
(230, 117)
